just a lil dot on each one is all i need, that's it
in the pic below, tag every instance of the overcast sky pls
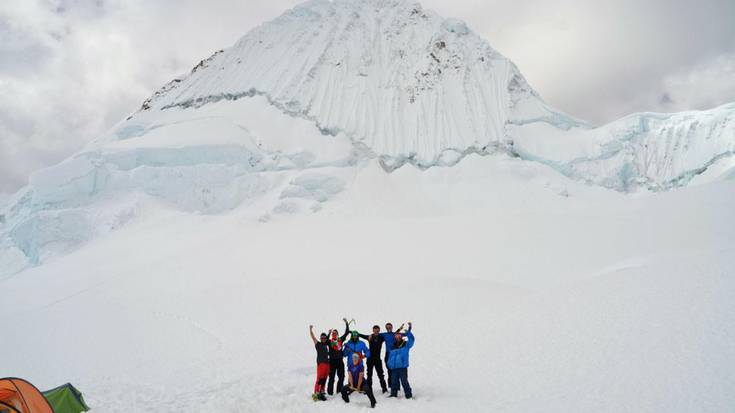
(70, 69)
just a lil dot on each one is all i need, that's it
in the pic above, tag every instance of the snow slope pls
(533, 294)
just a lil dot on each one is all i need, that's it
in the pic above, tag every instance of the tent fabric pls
(66, 399)
(20, 396)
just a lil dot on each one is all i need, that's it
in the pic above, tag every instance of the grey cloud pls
(600, 60)
(23, 51)
(706, 85)
(70, 69)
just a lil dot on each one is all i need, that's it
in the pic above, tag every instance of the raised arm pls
(347, 329)
(400, 328)
(411, 339)
(313, 337)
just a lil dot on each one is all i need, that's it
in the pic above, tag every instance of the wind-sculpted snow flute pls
(331, 349)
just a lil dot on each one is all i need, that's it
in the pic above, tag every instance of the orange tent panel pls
(22, 397)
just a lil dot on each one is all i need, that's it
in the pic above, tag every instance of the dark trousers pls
(400, 376)
(367, 388)
(390, 380)
(377, 364)
(337, 368)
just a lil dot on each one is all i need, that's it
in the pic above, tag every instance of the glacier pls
(283, 120)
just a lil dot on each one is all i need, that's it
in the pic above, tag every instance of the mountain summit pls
(284, 120)
(406, 85)
(398, 79)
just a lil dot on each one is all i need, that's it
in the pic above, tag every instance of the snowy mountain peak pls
(400, 80)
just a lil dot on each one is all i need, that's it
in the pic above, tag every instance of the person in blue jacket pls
(389, 339)
(355, 346)
(398, 364)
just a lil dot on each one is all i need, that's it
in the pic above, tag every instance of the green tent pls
(66, 399)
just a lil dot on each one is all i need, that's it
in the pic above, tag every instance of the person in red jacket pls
(322, 364)
(336, 364)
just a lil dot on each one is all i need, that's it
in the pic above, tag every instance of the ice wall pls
(648, 150)
(199, 161)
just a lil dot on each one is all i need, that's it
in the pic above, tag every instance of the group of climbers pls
(332, 349)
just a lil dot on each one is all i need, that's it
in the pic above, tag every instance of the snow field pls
(588, 302)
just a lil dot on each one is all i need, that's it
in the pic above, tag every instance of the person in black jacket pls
(336, 363)
(375, 342)
(322, 364)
